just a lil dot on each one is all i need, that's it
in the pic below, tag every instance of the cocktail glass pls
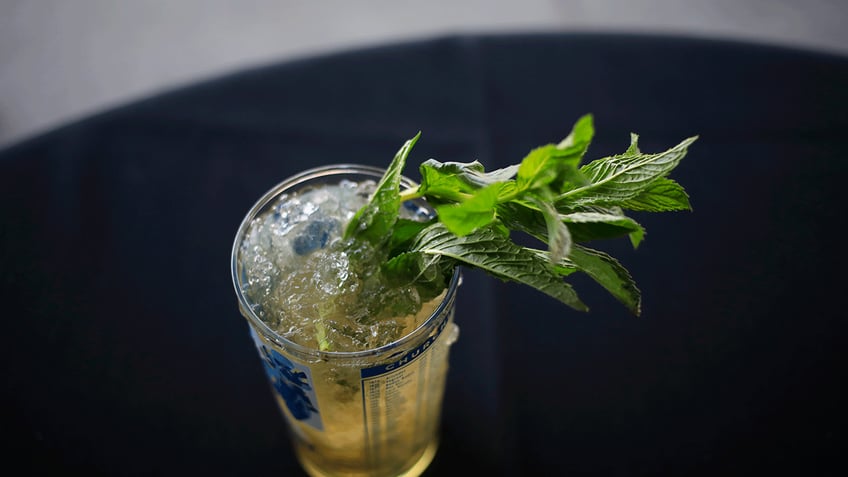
(374, 412)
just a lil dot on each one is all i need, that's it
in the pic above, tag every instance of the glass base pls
(416, 469)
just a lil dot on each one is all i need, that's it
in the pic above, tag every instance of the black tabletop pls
(124, 352)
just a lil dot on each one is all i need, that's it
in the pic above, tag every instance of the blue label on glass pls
(292, 382)
(406, 358)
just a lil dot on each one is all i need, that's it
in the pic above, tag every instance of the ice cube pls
(315, 235)
(287, 213)
(323, 199)
(414, 211)
(365, 188)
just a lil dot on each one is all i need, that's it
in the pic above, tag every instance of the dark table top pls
(124, 352)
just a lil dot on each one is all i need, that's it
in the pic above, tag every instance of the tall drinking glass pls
(371, 412)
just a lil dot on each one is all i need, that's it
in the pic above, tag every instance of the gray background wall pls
(64, 59)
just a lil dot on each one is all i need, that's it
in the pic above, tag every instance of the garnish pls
(549, 195)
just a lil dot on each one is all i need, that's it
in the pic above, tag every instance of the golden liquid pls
(382, 426)
(419, 465)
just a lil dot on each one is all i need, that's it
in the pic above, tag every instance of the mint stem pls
(410, 194)
(321, 336)
(416, 193)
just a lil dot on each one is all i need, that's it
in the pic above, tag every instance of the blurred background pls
(63, 60)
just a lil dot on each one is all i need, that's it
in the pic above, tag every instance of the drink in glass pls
(357, 365)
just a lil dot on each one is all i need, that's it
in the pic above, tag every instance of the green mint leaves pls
(488, 249)
(629, 180)
(549, 195)
(375, 221)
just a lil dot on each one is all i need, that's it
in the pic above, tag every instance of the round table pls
(124, 352)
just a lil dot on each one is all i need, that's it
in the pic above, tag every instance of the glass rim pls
(261, 327)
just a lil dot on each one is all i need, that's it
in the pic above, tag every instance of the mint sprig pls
(549, 195)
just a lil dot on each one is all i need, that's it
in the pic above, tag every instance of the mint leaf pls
(426, 272)
(447, 180)
(476, 211)
(489, 250)
(556, 165)
(455, 181)
(617, 179)
(589, 226)
(564, 267)
(574, 146)
(580, 137)
(540, 167)
(374, 221)
(662, 195)
(610, 274)
(594, 224)
(404, 231)
(557, 236)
